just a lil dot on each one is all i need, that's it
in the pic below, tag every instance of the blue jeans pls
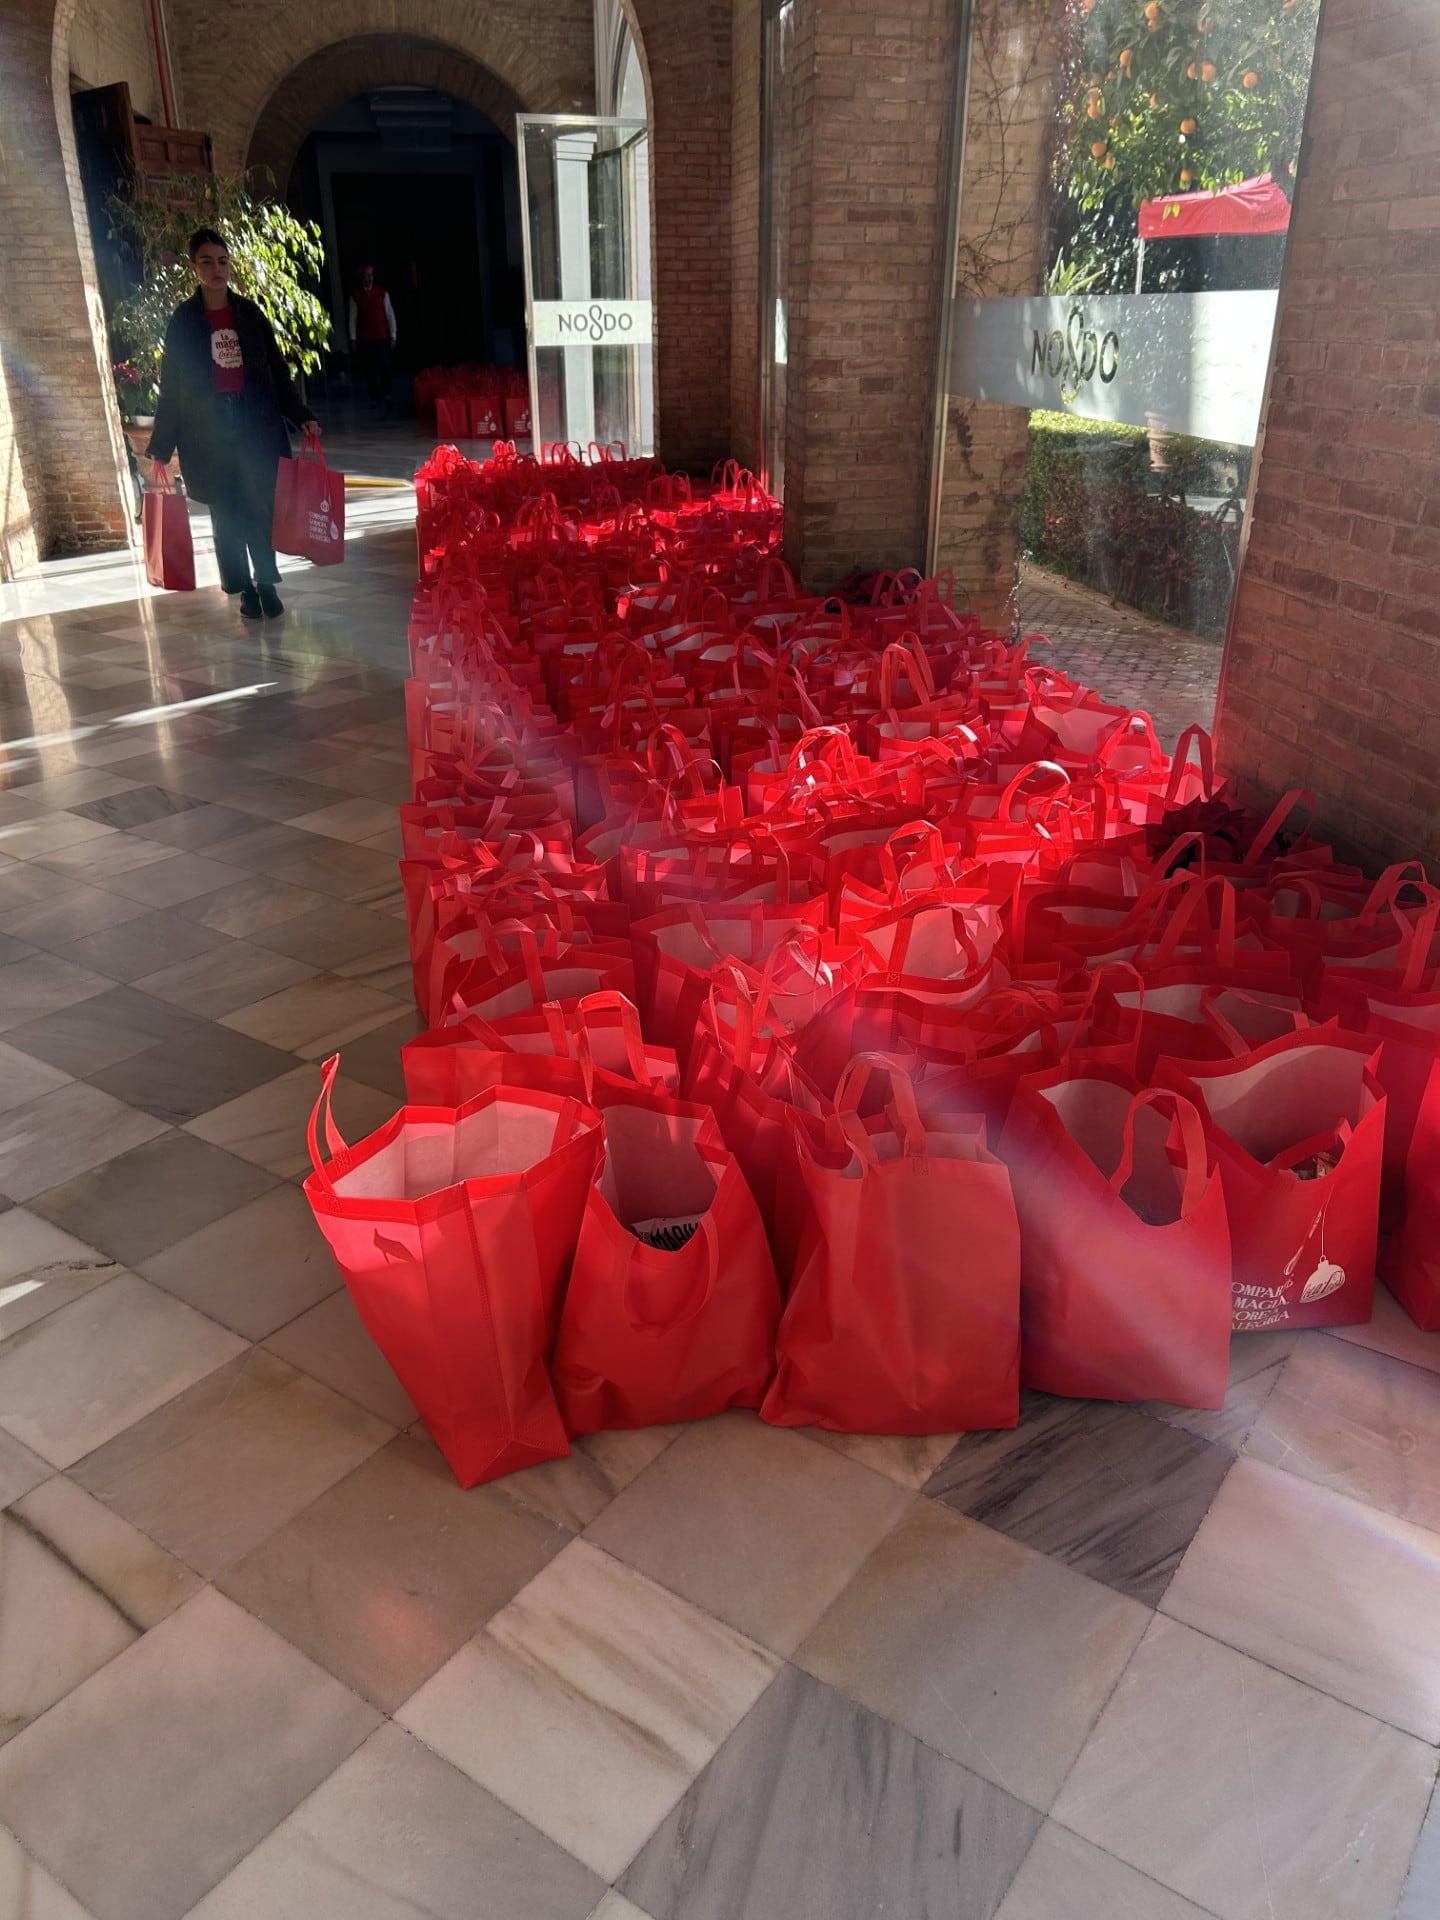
(242, 514)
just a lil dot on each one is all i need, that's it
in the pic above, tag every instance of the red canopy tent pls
(1253, 206)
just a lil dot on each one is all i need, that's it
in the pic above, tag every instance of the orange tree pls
(1165, 96)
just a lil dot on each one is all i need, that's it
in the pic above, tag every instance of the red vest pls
(370, 321)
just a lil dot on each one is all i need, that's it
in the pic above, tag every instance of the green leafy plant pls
(1168, 96)
(277, 260)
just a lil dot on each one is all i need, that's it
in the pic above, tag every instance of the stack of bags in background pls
(836, 1011)
(474, 403)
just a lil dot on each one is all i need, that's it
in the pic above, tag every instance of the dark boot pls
(250, 603)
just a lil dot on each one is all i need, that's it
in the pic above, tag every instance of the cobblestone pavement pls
(1143, 663)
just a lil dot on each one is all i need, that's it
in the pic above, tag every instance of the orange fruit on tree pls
(1207, 71)
(1126, 60)
(1152, 9)
(1250, 78)
(1154, 99)
(1109, 163)
(1093, 106)
(1190, 71)
(1097, 147)
(1186, 176)
(1187, 126)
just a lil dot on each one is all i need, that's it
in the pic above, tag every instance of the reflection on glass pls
(1124, 206)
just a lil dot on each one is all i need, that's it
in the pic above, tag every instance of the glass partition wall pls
(585, 188)
(777, 82)
(1120, 198)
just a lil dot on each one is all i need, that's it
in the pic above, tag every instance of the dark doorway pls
(420, 233)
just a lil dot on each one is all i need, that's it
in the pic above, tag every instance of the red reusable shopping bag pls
(454, 1229)
(483, 417)
(310, 508)
(452, 417)
(169, 552)
(904, 1309)
(517, 418)
(1124, 1244)
(1410, 1257)
(672, 1304)
(1298, 1130)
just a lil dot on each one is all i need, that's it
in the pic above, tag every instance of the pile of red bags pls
(834, 1010)
(474, 402)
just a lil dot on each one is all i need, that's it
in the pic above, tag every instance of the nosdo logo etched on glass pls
(594, 323)
(1076, 355)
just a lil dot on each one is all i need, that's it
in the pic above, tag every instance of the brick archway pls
(357, 66)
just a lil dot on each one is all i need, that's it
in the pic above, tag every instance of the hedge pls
(1095, 509)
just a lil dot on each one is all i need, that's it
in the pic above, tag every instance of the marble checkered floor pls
(260, 1659)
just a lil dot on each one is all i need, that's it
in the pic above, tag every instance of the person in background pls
(225, 396)
(372, 334)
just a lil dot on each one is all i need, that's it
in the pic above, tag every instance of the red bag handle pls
(1005, 811)
(1275, 819)
(1122, 730)
(629, 1027)
(907, 656)
(1230, 1034)
(1198, 738)
(849, 1092)
(1192, 1136)
(1390, 885)
(1185, 912)
(160, 477)
(333, 1138)
(905, 919)
(931, 842)
(641, 1322)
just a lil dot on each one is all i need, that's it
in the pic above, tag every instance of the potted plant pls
(278, 261)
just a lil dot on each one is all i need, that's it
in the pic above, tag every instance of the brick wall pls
(64, 431)
(230, 62)
(1332, 672)
(871, 114)
(111, 40)
(745, 233)
(687, 53)
(338, 73)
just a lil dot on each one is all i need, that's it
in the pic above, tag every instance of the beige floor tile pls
(66, 1133)
(27, 1891)
(1253, 1796)
(1322, 1588)
(146, 1785)
(989, 1652)
(1064, 1878)
(316, 1017)
(42, 1268)
(1392, 1331)
(398, 1541)
(44, 984)
(910, 1459)
(213, 984)
(396, 1830)
(590, 1703)
(89, 1370)
(254, 1269)
(23, 1078)
(267, 1126)
(217, 1470)
(1359, 1422)
(576, 1490)
(756, 1524)
(330, 1344)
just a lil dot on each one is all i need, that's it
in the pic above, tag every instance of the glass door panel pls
(585, 186)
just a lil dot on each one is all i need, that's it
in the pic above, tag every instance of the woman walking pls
(225, 395)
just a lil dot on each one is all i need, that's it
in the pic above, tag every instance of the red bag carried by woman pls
(169, 550)
(310, 508)
(454, 1229)
(1124, 1243)
(672, 1304)
(904, 1308)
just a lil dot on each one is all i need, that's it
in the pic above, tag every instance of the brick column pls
(64, 421)
(1010, 122)
(1332, 672)
(871, 119)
